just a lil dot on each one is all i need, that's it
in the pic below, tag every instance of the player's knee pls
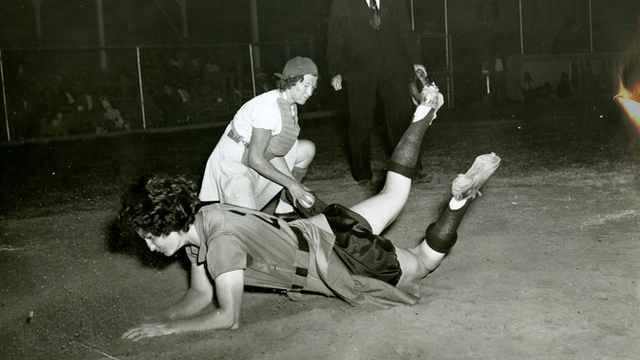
(429, 258)
(397, 186)
(306, 151)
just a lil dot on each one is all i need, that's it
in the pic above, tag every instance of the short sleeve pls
(260, 112)
(226, 253)
(267, 117)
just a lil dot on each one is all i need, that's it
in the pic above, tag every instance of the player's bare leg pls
(382, 209)
(441, 235)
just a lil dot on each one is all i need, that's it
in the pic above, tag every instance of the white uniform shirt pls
(375, 1)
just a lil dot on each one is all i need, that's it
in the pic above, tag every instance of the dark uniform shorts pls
(359, 249)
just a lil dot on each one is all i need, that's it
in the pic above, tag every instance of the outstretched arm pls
(182, 317)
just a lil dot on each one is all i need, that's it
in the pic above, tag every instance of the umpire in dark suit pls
(372, 49)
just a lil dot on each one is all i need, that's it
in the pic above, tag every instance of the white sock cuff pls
(283, 208)
(421, 112)
(456, 204)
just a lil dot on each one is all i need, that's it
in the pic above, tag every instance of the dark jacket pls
(353, 43)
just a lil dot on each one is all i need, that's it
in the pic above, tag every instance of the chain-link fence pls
(69, 91)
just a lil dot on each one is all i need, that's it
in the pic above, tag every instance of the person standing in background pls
(372, 50)
(498, 78)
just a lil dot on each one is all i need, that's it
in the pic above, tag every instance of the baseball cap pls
(298, 66)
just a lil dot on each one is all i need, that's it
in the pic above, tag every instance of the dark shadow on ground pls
(122, 240)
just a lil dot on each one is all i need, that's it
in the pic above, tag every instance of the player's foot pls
(427, 98)
(466, 186)
(418, 85)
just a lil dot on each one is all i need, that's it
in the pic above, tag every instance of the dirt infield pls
(546, 267)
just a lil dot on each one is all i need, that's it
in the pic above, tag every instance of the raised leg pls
(383, 208)
(441, 235)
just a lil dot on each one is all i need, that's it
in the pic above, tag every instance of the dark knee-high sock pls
(441, 235)
(405, 156)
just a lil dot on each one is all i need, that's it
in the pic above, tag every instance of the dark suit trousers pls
(393, 87)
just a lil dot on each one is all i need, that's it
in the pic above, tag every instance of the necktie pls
(374, 14)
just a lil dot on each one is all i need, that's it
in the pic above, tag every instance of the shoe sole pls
(468, 185)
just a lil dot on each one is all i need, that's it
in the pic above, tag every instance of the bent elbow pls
(251, 162)
(254, 161)
(230, 322)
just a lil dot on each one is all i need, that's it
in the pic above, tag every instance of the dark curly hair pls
(160, 204)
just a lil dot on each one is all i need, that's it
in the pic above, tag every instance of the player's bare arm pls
(229, 290)
(259, 141)
(197, 298)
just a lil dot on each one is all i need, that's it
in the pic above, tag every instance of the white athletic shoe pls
(429, 97)
(467, 185)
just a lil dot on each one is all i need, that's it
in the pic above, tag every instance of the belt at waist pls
(301, 262)
(237, 138)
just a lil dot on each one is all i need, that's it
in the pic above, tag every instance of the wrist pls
(290, 184)
(169, 328)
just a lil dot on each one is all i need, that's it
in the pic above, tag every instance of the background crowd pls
(49, 97)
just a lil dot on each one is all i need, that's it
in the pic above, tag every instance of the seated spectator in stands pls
(176, 59)
(164, 103)
(587, 79)
(211, 68)
(528, 90)
(184, 101)
(89, 111)
(125, 79)
(47, 103)
(544, 92)
(54, 125)
(66, 100)
(193, 68)
(67, 105)
(263, 83)
(173, 103)
(114, 122)
(564, 87)
(172, 68)
(194, 76)
(26, 114)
